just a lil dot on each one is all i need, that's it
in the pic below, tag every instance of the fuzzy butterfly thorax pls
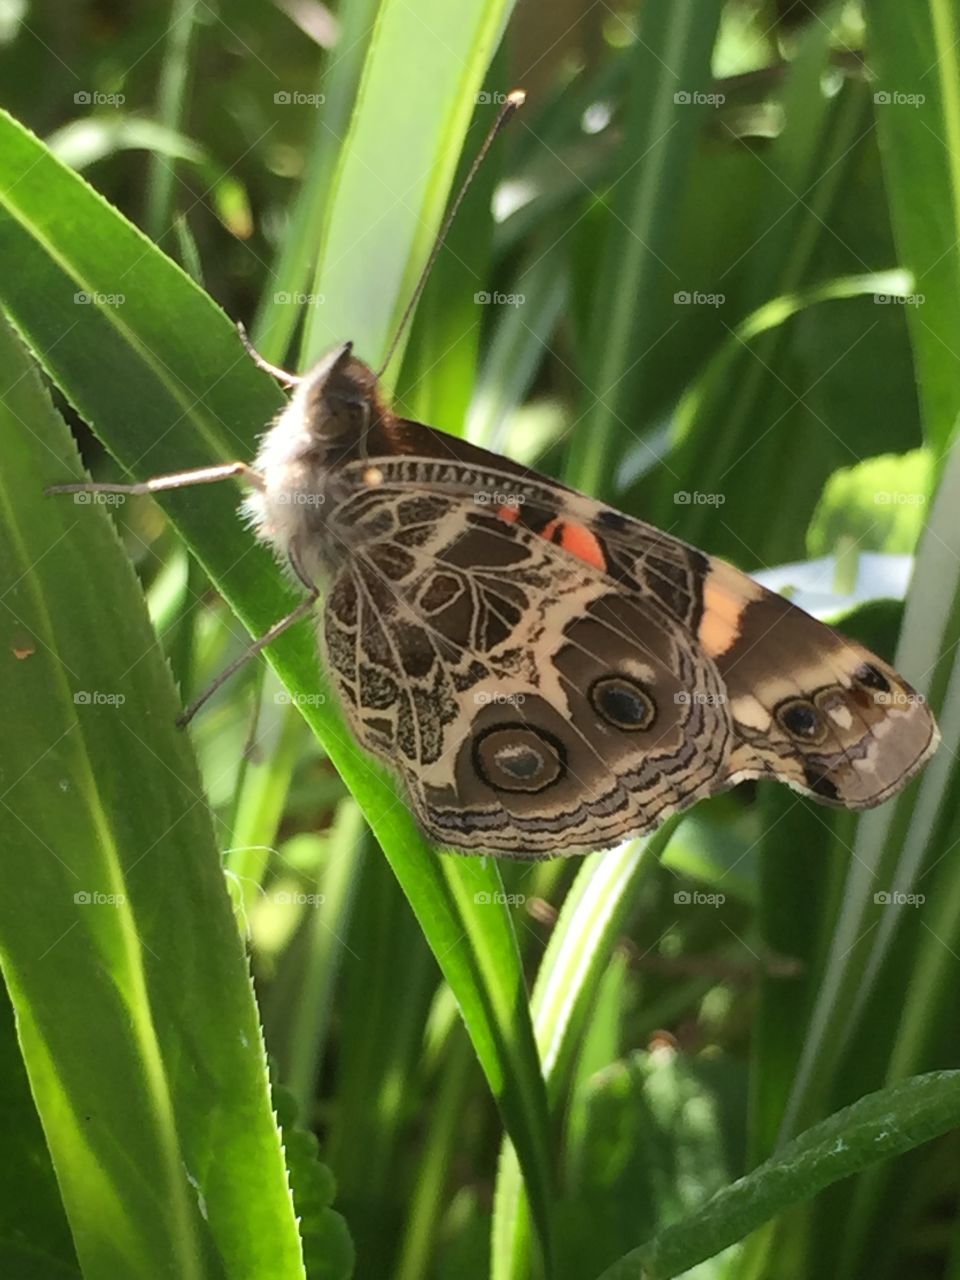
(546, 674)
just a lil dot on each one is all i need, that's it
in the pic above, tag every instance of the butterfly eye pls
(802, 720)
(348, 414)
(518, 758)
(623, 703)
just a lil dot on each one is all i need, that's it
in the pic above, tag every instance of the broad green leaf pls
(878, 505)
(134, 1007)
(34, 1234)
(327, 1247)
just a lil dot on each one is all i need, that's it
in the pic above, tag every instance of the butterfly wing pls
(531, 706)
(809, 707)
(549, 675)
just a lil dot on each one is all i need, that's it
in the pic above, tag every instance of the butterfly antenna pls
(512, 102)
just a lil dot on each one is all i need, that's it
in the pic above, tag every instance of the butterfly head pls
(340, 398)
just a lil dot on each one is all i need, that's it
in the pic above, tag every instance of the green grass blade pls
(915, 55)
(415, 101)
(439, 1150)
(629, 300)
(881, 1125)
(324, 954)
(171, 108)
(134, 1006)
(581, 944)
(278, 312)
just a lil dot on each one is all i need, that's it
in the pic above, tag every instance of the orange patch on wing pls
(577, 539)
(508, 512)
(726, 594)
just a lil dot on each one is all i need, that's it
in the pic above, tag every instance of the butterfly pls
(546, 674)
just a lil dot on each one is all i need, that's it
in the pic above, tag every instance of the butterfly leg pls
(303, 608)
(160, 484)
(284, 624)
